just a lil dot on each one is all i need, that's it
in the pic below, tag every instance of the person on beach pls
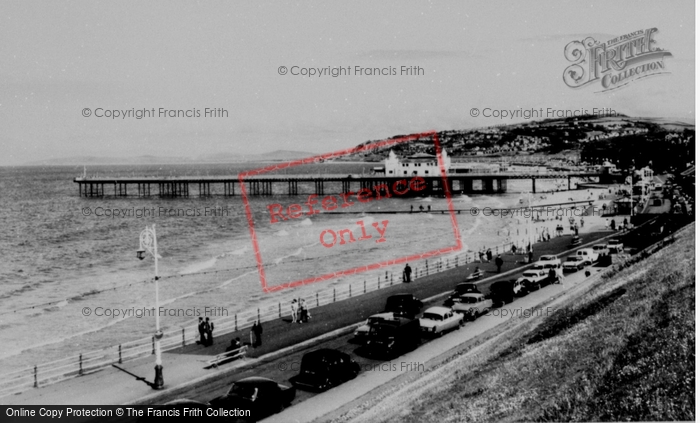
(499, 263)
(420, 208)
(428, 207)
(202, 332)
(407, 273)
(257, 331)
(209, 328)
(295, 309)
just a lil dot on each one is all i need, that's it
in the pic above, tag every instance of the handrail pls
(77, 365)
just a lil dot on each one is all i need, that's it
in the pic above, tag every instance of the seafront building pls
(422, 164)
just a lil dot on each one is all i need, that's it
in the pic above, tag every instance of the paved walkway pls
(186, 365)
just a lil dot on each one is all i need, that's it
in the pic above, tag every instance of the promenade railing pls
(88, 362)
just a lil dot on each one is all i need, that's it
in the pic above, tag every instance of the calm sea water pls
(60, 255)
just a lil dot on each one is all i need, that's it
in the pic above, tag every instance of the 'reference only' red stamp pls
(373, 189)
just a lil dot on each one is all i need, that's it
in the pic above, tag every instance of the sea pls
(63, 253)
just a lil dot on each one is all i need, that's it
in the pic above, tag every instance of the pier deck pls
(267, 185)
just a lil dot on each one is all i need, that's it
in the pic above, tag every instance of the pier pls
(268, 185)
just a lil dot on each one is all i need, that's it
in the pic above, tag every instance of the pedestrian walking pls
(257, 334)
(202, 332)
(530, 256)
(489, 255)
(420, 208)
(513, 249)
(295, 310)
(428, 207)
(481, 256)
(304, 314)
(407, 273)
(209, 328)
(411, 208)
(499, 263)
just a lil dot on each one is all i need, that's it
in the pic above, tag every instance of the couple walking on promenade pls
(206, 329)
(299, 311)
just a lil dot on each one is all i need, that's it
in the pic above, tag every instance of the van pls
(588, 255)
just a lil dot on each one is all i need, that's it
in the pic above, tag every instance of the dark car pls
(403, 305)
(323, 369)
(503, 292)
(262, 396)
(388, 338)
(461, 289)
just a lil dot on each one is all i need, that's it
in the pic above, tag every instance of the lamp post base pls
(158, 381)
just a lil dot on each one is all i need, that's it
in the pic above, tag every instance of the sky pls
(60, 58)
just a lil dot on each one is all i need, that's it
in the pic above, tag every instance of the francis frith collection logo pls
(614, 63)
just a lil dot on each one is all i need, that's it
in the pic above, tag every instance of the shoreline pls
(217, 277)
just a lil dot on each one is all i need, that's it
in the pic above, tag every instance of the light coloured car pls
(438, 320)
(472, 305)
(547, 265)
(550, 257)
(533, 278)
(601, 250)
(363, 331)
(588, 254)
(573, 263)
(615, 246)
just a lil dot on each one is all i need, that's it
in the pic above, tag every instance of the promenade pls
(185, 367)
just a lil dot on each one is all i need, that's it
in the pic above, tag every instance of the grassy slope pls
(616, 354)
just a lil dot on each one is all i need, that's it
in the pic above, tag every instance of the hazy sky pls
(61, 57)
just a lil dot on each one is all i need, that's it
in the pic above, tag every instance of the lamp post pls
(149, 242)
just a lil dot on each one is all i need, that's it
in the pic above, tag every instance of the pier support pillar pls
(293, 187)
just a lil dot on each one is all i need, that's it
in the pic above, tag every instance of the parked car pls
(550, 257)
(573, 263)
(503, 292)
(575, 240)
(549, 265)
(601, 250)
(460, 289)
(472, 305)
(403, 305)
(362, 331)
(589, 256)
(534, 279)
(386, 338)
(323, 369)
(615, 246)
(262, 396)
(438, 320)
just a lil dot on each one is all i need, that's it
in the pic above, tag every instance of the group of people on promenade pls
(300, 313)
(206, 330)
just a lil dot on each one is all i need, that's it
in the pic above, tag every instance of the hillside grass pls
(623, 351)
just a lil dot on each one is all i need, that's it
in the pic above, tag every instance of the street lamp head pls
(141, 254)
